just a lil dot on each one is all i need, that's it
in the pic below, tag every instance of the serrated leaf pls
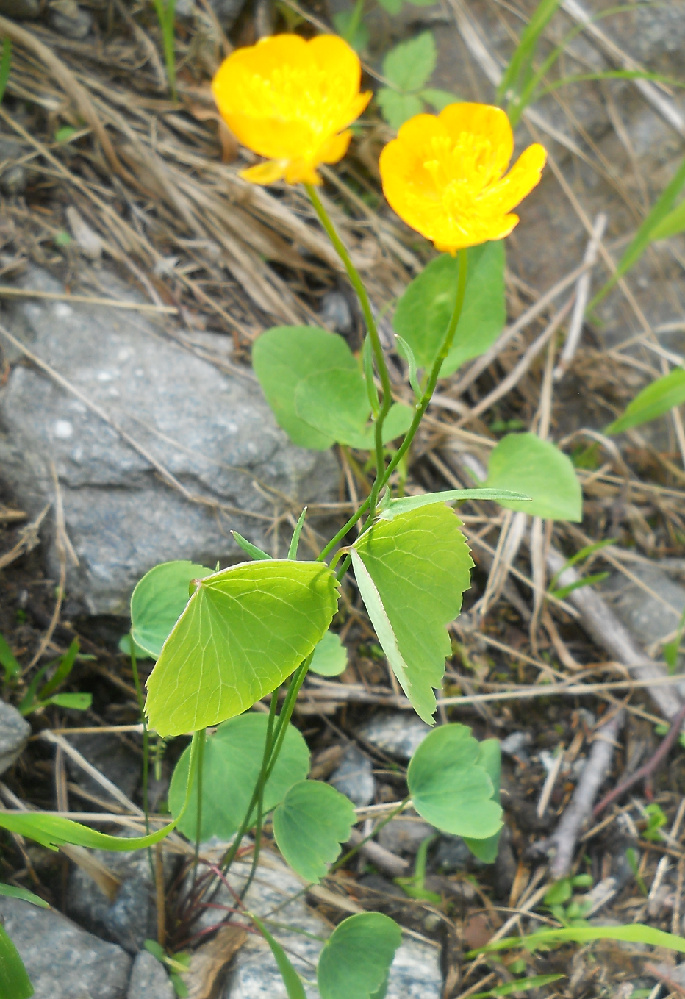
(450, 788)
(653, 401)
(409, 65)
(330, 656)
(527, 464)
(423, 313)
(159, 600)
(14, 981)
(291, 979)
(438, 99)
(490, 758)
(412, 572)
(356, 959)
(243, 632)
(231, 763)
(310, 824)
(397, 107)
(284, 356)
(394, 507)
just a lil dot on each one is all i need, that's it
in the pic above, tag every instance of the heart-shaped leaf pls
(524, 463)
(310, 824)
(158, 601)
(449, 786)
(244, 630)
(411, 572)
(231, 762)
(490, 758)
(423, 313)
(330, 656)
(356, 959)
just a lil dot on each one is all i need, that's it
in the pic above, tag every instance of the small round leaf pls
(355, 962)
(310, 824)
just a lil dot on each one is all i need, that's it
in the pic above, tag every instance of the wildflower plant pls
(223, 640)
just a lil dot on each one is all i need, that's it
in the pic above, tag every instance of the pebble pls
(149, 979)
(14, 733)
(68, 19)
(396, 734)
(354, 777)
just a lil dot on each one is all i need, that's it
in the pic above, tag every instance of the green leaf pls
(287, 355)
(5, 67)
(291, 979)
(26, 896)
(450, 787)
(159, 600)
(394, 507)
(295, 540)
(14, 982)
(405, 351)
(53, 831)
(423, 313)
(77, 702)
(524, 463)
(521, 63)
(356, 35)
(335, 402)
(310, 824)
(490, 758)
(411, 572)
(231, 764)
(255, 553)
(356, 959)
(438, 99)
(397, 108)
(244, 630)
(518, 985)
(392, 6)
(672, 225)
(631, 933)
(330, 656)
(410, 64)
(653, 401)
(126, 642)
(7, 660)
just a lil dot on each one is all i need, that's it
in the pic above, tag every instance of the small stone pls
(515, 743)
(354, 777)
(62, 960)
(396, 734)
(335, 312)
(13, 181)
(149, 979)
(452, 854)
(14, 733)
(68, 19)
(405, 834)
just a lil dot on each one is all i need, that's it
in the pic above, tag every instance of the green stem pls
(376, 829)
(198, 825)
(146, 747)
(261, 785)
(425, 399)
(371, 327)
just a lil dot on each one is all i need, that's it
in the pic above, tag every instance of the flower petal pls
(484, 122)
(264, 173)
(519, 182)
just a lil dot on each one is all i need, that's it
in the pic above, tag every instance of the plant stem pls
(146, 747)
(261, 786)
(376, 829)
(371, 327)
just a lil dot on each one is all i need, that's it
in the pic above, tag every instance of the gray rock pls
(14, 733)
(405, 834)
(62, 960)
(651, 611)
(130, 918)
(354, 776)
(415, 973)
(211, 430)
(13, 175)
(111, 756)
(396, 733)
(68, 19)
(149, 979)
(226, 11)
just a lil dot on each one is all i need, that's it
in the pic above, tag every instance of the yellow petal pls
(484, 122)
(335, 148)
(264, 173)
(519, 182)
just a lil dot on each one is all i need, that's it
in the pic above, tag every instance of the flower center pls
(304, 94)
(460, 170)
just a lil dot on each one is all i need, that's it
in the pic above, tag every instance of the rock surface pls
(149, 980)
(129, 382)
(651, 603)
(397, 733)
(253, 974)
(14, 733)
(354, 777)
(62, 960)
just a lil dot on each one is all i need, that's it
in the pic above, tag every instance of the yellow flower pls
(291, 101)
(444, 175)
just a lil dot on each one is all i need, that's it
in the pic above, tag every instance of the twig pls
(563, 840)
(575, 326)
(648, 768)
